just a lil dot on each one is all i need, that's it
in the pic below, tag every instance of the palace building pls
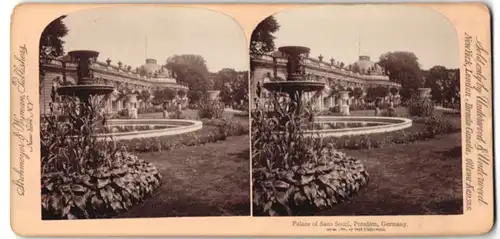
(362, 74)
(128, 83)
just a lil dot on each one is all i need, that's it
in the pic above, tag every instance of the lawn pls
(419, 178)
(212, 179)
(414, 179)
(208, 180)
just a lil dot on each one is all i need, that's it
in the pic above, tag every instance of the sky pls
(345, 32)
(124, 33)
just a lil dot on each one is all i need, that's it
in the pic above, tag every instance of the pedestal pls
(344, 107)
(132, 108)
(344, 110)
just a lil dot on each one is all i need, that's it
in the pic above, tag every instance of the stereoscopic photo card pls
(251, 120)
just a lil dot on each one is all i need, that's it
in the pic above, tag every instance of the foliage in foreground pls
(67, 141)
(100, 193)
(331, 178)
(295, 174)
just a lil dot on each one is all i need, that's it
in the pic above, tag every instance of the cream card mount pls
(251, 120)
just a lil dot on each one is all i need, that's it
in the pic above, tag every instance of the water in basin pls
(132, 128)
(340, 125)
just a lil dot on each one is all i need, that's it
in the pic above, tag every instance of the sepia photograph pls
(355, 111)
(270, 120)
(144, 113)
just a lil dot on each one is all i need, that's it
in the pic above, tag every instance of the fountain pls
(295, 84)
(87, 87)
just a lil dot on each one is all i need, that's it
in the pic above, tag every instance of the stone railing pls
(103, 67)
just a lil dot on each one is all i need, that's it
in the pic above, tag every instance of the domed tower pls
(151, 67)
(366, 66)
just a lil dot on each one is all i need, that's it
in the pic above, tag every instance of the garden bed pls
(423, 128)
(100, 193)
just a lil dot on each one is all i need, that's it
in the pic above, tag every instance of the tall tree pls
(51, 43)
(232, 84)
(223, 81)
(262, 39)
(192, 71)
(445, 83)
(402, 67)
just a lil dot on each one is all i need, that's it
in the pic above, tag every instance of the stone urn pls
(213, 94)
(424, 92)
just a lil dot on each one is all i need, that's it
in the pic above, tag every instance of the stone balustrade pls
(327, 70)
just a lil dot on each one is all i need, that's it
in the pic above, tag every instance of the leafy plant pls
(100, 193)
(210, 109)
(295, 174)
(68, 143)
(420, 107)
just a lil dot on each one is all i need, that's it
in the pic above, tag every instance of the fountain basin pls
(374, 125)
(84, 90)
(161, 127)
(294, 50)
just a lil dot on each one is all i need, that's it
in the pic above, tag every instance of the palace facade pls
(128, 83)
(362, 74)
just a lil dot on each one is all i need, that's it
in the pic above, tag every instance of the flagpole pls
(146, 47)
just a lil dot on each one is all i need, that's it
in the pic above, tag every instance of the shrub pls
(420, 107)
(294, 174)
(177, 115)
(389, 112)
(210, 109)
(149, 110)
(123, 113)
(436, 125)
